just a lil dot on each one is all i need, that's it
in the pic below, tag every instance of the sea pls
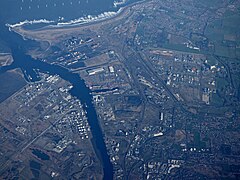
(56, 13)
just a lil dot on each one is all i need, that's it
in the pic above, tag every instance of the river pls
(18, 48)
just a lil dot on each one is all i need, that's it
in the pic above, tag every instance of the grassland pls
(11, 82)
(224, 33)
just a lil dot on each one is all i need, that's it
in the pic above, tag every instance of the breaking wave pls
(90, 18)
(28, 22)
(117, 3)
(79, 21)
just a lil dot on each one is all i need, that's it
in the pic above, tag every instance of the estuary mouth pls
(119, 89)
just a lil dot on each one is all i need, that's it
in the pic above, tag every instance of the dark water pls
(20, 10)
(18, 47)
(35, 167)
(40, 154)
(10, 13)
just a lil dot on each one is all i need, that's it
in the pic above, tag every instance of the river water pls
(13, 11)
(79, 90)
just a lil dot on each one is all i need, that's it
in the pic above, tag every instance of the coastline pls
(53, 33)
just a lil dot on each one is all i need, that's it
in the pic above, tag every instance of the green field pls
(217, 100)
(225, 33)
(10, 82)
(211, 3)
